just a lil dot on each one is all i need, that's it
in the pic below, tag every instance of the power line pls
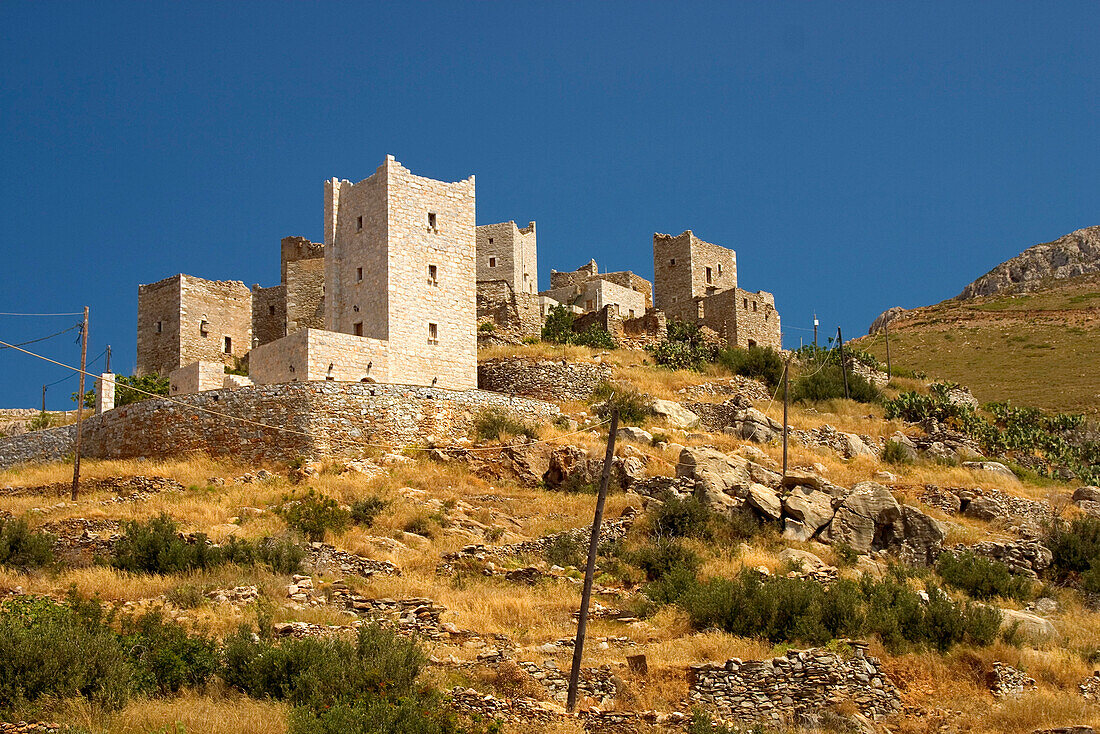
(75, 313)
(44, 338)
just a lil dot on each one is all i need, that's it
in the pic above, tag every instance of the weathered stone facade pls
(196, 377)
(268, 314)
(316, 354)
(696, 281)
(400, 254)
(589, 290)
(516, 314)
(309, 419)
(509, 253)
(184, 319)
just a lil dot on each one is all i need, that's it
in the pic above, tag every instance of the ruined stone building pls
(399, 279)
(696, 281)
(589, 290)
(507, 278)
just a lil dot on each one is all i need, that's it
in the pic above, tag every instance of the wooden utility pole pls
(843, 364)
(44, 398)
(590, 569)
(815, 335)
(108, 367)
(889, 372)
(80, 403)
(786, 386)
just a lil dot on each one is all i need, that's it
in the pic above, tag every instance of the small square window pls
(744, 303)
(709, 278)
(490, 240)
(358, 275)
(433, 274)
(719, 268)
(433, 334)
(431, 220)
(672, 262)
(359, 224)
(754, 305)
(358, 328)
(270, 310)
(228, 345)
(589, 305)
(492, 262)
(160, 327)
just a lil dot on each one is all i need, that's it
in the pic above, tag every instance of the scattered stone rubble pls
(1007, 682)
(848, 445)
(28, 727)
(570, 465)
(1090, 688)
(787, 688)
(1087, 500)
(595, 683)
(1025, 557)
(237, 596)
(529, 711)
(126, 489)
(327, 557)
(746, 387)
(609, 530)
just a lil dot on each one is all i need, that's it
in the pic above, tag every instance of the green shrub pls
(164, 656)
(424, 524)
(982, 578)
(760, 363)
(594, 337)
(1075, 550)
(45, 420)
(663, 557)
(487, 326)
(679, 518)
(281, 555)
(493, 424)
(894, 452)
(827, 383)
(49, 650)
(634, 408)
(365, 511)
(370, 715)
(155, 546)
(681, 356)
(313, 515)
(558, 327)
(567, 549)
(23, 548)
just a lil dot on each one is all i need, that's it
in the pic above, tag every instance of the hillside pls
(1040, 348)
(710, 563)
(1038, 267)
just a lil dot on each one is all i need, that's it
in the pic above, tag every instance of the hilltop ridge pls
(1069, 256)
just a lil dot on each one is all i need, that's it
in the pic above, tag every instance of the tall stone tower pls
(508, 253)
(685, 268)
(400, 254)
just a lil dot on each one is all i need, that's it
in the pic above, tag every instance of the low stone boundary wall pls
(49, 444)
(801, 682)
(322, 419)
(541, 379)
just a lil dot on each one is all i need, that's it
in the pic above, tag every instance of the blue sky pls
(856, 155)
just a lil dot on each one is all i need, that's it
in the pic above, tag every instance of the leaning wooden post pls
(889, 372)
(590, 569)
(786, 385)
(80, 403)
(843, 364)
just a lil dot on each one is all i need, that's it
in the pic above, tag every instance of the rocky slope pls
(1077, 253)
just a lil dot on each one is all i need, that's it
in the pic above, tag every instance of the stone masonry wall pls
(801, 683)
(518, 314)
(295, 249)
(336, 419)
(756, 320)
(158, 326)
(196, 377)
(637, 283)
(680, 265)
(268, 314)
(315, 354)
(560, 279)
(541, 379)
(305, 294)
(509, 253)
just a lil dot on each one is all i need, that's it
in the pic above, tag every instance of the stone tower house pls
(183, 319)
(400, 253)
(686, 268)
(507, 253)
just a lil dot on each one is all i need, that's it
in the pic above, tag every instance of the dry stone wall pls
(542, 379)
(319, 419)
(801, 683)
(268, 314)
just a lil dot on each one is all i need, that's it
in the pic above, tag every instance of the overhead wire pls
(44, 338)
(75, 313)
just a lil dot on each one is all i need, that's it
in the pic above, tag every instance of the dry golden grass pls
(216, 713)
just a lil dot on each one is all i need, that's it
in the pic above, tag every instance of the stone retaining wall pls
(800, 683)
(320, 419)
(542, 379)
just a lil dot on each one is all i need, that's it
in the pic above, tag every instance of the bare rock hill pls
(1077, 253)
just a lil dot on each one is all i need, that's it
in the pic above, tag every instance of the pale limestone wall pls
(395, 248)
(104, 393)
(181, 304)
(506, 252)
(559, 279)
(596, 293)
(268, 314)
(295, 249)
(305, 294)
(680, 272)
(314, 354)
(196, 377)
(628, 279)
(757, 320)
(158, 326)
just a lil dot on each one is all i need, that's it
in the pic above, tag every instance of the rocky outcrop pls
(1077, 253)
(570, 468)
(675, 414)
(890, 314)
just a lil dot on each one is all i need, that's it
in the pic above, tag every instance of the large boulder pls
(865, 518)
(564, 462)
(993, 467)
(920, 537)
(633, 433)
(811, 510)
(1030, 626)
(753, 425)
(675, 414)
(765, 501)
(855, 446)
(1086, 494)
